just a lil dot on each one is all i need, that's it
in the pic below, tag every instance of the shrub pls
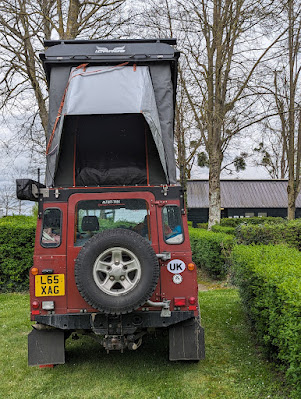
(202, 226)
(234, 222)
(286, 232)
(269, 279)
(223, 229)
(211, 251)
(17, 235)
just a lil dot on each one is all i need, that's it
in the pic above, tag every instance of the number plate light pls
(48, 305)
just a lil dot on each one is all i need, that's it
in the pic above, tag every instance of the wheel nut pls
(112, 278)
(122, 278)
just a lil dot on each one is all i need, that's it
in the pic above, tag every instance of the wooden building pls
(240, 198)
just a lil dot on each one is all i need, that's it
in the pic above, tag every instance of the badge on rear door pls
(176, 266)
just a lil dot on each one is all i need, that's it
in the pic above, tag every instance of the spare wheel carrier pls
(116, 271)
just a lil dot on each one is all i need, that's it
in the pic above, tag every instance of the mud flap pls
(186, 341)
(46, 347)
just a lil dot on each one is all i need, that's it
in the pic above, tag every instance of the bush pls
(223, 229)
(234, 222)
(202, 226)
(286, 232)
(17, 235)
(211, 251)
(269, 279)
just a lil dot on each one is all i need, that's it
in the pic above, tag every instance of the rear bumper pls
(104, 324)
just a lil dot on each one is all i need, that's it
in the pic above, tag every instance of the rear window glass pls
(51, 231)
(172, 225)
(94, 216)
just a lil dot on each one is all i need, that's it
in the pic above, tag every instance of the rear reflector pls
(34, 271)
(192, 307)
(179, 301)
(35, 312)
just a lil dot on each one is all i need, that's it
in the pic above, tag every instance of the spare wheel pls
(116, 271)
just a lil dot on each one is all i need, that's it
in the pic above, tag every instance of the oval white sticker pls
(177, 278)
(176, 266)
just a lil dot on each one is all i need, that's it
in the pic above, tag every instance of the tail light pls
(192, 300)
(179, 301)
(34, 271)
(35, 304)
(35, 307)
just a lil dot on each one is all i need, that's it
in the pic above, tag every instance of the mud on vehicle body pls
(112, 254)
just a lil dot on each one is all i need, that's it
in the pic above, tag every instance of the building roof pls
(241, 194)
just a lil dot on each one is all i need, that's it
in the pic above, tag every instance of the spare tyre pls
(116, 271)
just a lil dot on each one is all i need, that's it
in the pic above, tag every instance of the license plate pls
(50, 285)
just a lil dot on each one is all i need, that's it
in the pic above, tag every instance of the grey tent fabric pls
(164, 94)
(114, 90)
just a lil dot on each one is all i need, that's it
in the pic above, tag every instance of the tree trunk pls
(291, 200)
(214, 189)
(291, 191)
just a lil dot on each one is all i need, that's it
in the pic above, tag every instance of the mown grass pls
(233, 367)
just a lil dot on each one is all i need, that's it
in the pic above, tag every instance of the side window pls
(52, 228)
(172, 225)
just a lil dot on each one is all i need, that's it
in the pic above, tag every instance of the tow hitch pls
(121, 342)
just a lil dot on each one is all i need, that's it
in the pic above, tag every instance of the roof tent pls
(111, 112)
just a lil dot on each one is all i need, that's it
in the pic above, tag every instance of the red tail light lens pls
(192, 300)
(180, 301)
(35, 304)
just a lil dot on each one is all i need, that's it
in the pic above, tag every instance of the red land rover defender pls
(112, 254)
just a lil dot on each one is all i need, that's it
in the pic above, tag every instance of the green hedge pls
(223, 229)
(234, 222)
(202, 226)
(17, 235)
(286, 232)
(269, 279)
(211, 251)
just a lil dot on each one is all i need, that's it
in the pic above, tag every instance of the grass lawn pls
(233, 369)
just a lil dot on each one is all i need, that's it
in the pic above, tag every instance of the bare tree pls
(8, 200)
(282, 155)
(162, 19)
(24, 24)
(294, 111)
(223, 53)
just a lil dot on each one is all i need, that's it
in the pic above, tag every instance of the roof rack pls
(50, 43)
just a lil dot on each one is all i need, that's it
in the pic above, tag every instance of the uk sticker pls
(176, 266)
(177, 278)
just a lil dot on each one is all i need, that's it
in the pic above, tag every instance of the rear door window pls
(172, 225)
(52, 228)
(94, 216)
